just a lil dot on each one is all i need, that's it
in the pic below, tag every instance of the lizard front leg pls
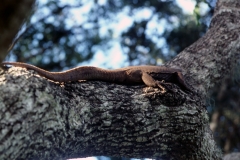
(163, 84)
(149, 81)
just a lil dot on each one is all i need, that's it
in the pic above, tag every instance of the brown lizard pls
(152, 76)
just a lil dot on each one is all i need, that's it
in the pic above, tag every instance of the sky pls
(187, 5)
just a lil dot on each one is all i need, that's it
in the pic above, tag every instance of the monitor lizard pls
(152, 76)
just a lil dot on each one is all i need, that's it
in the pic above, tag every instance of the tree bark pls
(47, 120)
(41, 119)
(212, 57)
(13, 14)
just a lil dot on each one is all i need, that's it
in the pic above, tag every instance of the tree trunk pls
(13, 14)
(41, 119)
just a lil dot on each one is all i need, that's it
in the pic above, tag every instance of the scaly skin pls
(149, 75)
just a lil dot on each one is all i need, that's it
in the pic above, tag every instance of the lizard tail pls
(75, 74)
(42, 72)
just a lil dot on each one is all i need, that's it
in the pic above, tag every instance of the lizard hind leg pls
(150, 82)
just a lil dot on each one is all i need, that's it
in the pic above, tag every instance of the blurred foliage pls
(224, 110)
(65, 34)
(62, 34)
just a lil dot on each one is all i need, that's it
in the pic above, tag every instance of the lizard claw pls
(162, 86)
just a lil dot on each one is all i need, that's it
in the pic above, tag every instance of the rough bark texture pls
(45, 120)
(213, 56)
(13, 13)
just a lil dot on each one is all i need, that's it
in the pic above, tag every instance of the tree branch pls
(45, 120)
(212, 57)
